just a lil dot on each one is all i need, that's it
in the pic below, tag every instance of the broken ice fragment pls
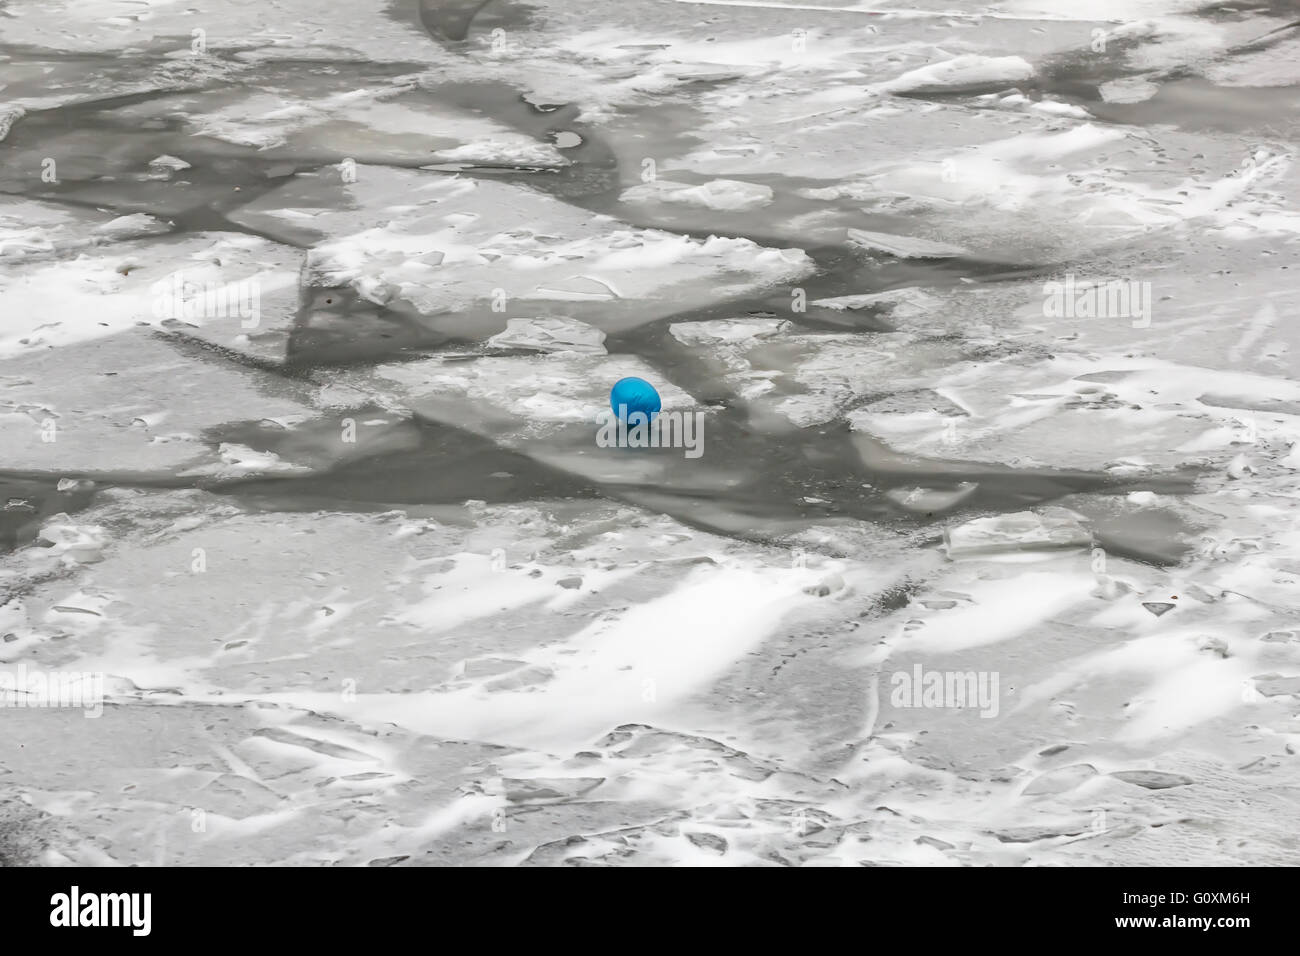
(1157, 607)
(726, 195)
(1152, 779)
(929, 500)
(708, 841)
(901, 303)
(167, 164)
(1059, 781)
(904, 247)
(1051, 528)
(548, 788)
(577, 288)
(1128, 89)
(550, 334)
(969, 70)
(726, 331)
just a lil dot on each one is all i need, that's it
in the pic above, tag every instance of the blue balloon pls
(636, 395)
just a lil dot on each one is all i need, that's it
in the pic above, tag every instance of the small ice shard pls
(1034, 833)
(164, 167)
(1158, 607)
(165, 162)
(8, 116)
(1152, 779)
(1214, 645)
(903, 303)
(503, 151)
(132, 226)
(549, 334)
(1128, 89)
(79, 543)
(1050, 528)
(938, 844)
(1059, 781)
(238, 461)
(903, 247)
(150, 419)
(929, 500)
(962, 71)
(724, 195)
(580, 288)
(708, 841)
(726, 331)
(548, 788)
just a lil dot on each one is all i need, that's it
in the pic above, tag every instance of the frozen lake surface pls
(310, 553)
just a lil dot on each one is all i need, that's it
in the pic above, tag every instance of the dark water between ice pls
(437, 463)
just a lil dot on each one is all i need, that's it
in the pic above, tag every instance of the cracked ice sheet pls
(1209, 377)
(753, 41)
(279, 783)
(1146, 414)
(448, 245)
(922, 169)
(282, 26)
(279, 780)
(517, 642)
(39, 79)
(95, 407)
(1027, 9)
(945, 799)
(385, 120)
(1091, 207)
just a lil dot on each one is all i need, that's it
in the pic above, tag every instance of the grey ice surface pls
(310, 550)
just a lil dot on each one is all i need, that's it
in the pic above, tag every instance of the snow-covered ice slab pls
(234, 290)
(1206, 375)
(549, 408)
(1017, 181)
(453, 246)
(126, 403)
(525, 394)
(282, 28)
